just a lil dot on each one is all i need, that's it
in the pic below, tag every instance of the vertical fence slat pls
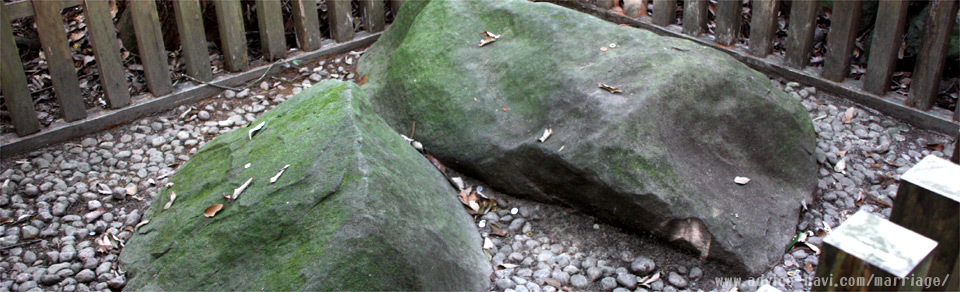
(341, 22)
(803, 21)
(15, 91)
(63, 75)
(233, 40)
(193, 41)
(694, 17)
(840, 40)
(103, 38)
(664, 12)
(306, 23)
(372, 15)
(728, 21)
(270, 23)
(933, 52)
(888, 29)
(763, 26)
(146, 26)
(395, 7)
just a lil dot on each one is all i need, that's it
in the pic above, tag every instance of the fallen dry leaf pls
(173, 196)
(362, 81)
(646, 281)
(104, 189)
(841, 166)
(934, 147)
(144, 222)
(506, 266)
(491, 35)
(487, 40)
(132, 190)
(609, 88)
(808, 267)
(255, 130)
(237, 191)
(8, 220)
(104, 245)
(436, 163)
(848, 115)
(740, 180)
(546, 135)
(842, 153)
(458, 182)
(276, 177)
(487, 244)
(603, 49)
(496, 230)
(553, 282)
(212, 210)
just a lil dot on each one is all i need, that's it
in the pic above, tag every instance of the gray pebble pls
(608, 283)
(627, 280)
(579, 281)
(677, 280)
(642, 265)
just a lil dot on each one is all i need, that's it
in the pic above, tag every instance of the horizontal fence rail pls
(103, 37)
(871, 90)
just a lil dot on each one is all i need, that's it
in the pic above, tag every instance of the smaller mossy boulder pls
(357, 209)
(661, 155)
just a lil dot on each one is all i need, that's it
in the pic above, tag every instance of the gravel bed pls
(66, 209)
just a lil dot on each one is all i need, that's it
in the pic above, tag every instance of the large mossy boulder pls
(660, 156)
(358, 209)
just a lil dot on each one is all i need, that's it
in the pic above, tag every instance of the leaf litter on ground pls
(173, 196)
(212, 210)
(609, 88)
(277, 176)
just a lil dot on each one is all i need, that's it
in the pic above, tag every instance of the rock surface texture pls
(357, 209)
(659, 156)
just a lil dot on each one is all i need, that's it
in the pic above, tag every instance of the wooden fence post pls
(340, 20)
(694, 17)
(103, 38)
(146, 26)
(729, 13)
(63, 75)
(233, 40)
(307, 24)
(937, 27)
(270, 22)
(664, 12)
(372, 15)
(395, 7)
(803, 22)
(928, 202)
(193, 41)
(763, 26)
(887, 32)
(840, 40)
(867, 248)
(15, 91)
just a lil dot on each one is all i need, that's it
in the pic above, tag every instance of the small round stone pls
(608, 283)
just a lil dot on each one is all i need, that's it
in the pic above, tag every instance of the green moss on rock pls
(350, 213)
(689, 120)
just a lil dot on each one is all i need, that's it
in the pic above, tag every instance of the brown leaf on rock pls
(362, 81)
(808, 267)
(496, 230)
(487, 40)
(609, 88)
(173, 196)
(212, 210)
(443, 169)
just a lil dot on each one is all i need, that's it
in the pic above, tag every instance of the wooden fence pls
(102, 35)
(871, 91)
